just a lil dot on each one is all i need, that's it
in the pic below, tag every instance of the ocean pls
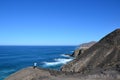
(14, 58)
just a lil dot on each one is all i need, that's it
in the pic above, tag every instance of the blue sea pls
(14, 58)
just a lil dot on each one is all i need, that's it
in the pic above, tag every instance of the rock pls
(89, 44)
(29, 74)
(104, 54)
(82, 48)
(46, 74)
(79, 51)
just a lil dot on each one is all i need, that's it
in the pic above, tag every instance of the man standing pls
(35, 65)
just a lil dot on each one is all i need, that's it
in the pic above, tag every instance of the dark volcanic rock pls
(82, 48)
(105, 55)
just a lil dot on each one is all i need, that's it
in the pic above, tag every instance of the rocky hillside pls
(46, 74)
(103, 55)
(89, 44)
(82, 48)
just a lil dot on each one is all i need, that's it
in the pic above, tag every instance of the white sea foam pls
(57, 62)
(64, 55)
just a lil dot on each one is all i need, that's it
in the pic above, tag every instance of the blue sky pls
(57, 22)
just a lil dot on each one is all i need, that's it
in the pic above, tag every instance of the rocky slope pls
(104, 55)
(45, 74)
(89, 44)
(82, 48)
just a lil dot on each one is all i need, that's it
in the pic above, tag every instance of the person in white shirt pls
(35, 65)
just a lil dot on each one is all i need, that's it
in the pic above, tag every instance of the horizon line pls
(38, 45)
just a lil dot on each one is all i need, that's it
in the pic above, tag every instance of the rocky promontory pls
(82, 48)
(46, 74)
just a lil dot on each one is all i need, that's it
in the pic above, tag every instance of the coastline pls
(100, 61)
(19, 57)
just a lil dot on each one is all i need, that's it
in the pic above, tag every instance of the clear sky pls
(57, 22)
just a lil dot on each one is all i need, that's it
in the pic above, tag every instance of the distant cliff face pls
(82, 48)
(89, 44)
(105, 55)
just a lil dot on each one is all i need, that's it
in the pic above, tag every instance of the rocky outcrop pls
(103, 55)
(89, 44)
(82, 48)
(46, 74)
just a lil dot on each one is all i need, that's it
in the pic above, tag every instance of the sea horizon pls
(38, 45)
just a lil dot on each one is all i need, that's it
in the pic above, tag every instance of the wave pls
(57, 62)
(64, 55)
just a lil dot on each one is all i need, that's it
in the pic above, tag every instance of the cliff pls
(105, 55)
(82, 48)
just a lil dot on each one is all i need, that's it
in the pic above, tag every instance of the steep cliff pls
(104, 55)
(82, 48)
